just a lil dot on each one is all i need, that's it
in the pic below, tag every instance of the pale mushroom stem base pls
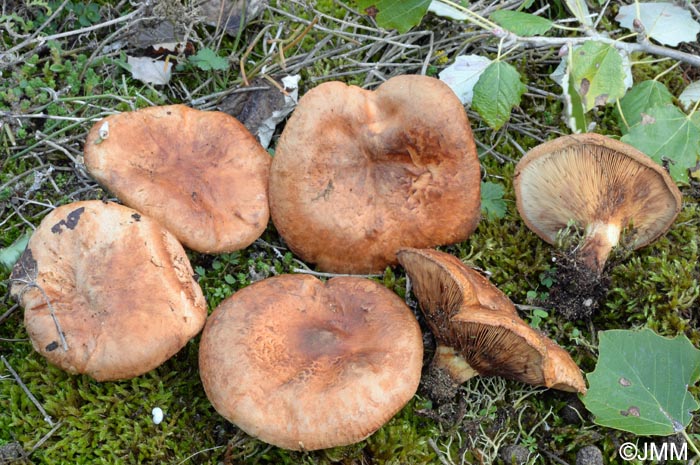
(448, 360)
(597, 245)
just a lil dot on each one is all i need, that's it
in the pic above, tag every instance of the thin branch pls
(334, 275)
(5, 315)
(47, 417)
(94, 27)
(46, 437)
(645, 46)
(29, 285)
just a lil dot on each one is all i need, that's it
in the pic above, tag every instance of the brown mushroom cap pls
(474, 320)
(306, 365)
(199, 173)
(602, 184)
(358, 174)
(119, 284)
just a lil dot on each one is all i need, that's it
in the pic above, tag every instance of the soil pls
(578, 291)
(437, 386)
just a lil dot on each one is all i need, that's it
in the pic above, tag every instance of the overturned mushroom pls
(200, 173)
(603, 186)
(306, 365)
(478, 329)
(358, 174)
(106, 291)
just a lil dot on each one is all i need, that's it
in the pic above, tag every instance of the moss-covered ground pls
(52, 91)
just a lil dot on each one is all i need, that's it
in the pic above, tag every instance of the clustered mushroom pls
(306, 365)
(602, 187)
(106, 291)
(359, 174)
(601, 184)
(201, 174)
(478, 329)
(361, 179)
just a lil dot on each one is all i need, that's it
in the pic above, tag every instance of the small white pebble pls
(588, 302)
(157, 415)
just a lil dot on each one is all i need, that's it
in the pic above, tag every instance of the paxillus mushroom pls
(304, 365)
(601, 185)
(358, 174)
(478, 329)
(106, 291)
(200, 173)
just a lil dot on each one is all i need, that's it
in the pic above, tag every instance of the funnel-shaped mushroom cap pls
(199, 173)
(602, 184)
(119, 284)
(358, 174)
(307, 365)
(482, 325)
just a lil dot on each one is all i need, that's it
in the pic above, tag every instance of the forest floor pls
(64, 65)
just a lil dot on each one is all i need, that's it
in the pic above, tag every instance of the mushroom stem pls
(447, 359)
(598, 243)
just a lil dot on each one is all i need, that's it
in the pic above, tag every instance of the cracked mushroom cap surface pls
(199, 173)
(119, 285)
(598, 182)
(474, 319)
(358, 174)
(305, 365)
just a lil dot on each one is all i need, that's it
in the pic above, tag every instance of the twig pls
(47, 418)
(199, 452)
(553, 457)
(46, 437)
(334, 275)
(5, 315)
(94, 27)
(29, 285)
(645, 46)
(438, 452)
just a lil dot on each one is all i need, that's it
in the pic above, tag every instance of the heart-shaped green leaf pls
(640, 99)
(667, 134)
(640, 383)
(492, 203)
(664, 22)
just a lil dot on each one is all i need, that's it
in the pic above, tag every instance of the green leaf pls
(10, 255)
(522, 24)
(666, 133)
(690, 95)
(401, 15)
(666, 23)
(577, 111)
(206, 59)
(496, 93)
(597, 74)
(640, 383)
(640, 99)
(492, 203)
(579, 8)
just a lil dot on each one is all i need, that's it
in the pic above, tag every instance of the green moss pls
(657, 286)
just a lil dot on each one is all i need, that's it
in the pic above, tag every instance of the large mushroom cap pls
(475, 321)
(358, 174)
(120, 286)
(303, 364)
(200, 173)
(603, 185)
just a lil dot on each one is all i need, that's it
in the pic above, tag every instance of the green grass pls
(50, 95)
